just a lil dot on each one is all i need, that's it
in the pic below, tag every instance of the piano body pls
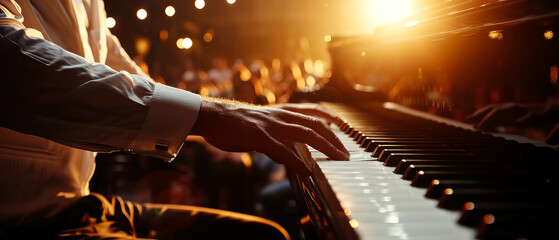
(417, 170)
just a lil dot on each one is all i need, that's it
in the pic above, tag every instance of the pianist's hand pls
(237, 127)
(544, 116)
(509, 114)
(311, 109)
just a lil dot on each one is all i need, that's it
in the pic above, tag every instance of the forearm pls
(55, 94)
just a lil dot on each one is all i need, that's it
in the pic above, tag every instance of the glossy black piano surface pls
(448, 60)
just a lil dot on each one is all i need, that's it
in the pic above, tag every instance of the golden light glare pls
(208, 37)
(245, 74)
(488, 219)
(448, 191)
(170, 11)
(110, 22)
(496, 35)
(270, 96)
(276, 65)
(246, 159)
(179, 43)
(548, 34)
(390, 11)
(353, 223)
(199, 4)
(163, 35)
(308, 65)
(187, 43)
(469, 206)
(231, 1)
(141, 14)
(410, 24)
(142, 46)
(310, 81)
(319, 67)
(328, 38)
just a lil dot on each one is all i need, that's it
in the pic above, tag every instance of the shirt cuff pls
(171, 116)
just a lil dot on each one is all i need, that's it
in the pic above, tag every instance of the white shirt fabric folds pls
(68, 89)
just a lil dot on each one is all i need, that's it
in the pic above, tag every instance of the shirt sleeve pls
(52, 93)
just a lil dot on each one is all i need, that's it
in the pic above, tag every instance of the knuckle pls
(308, 131)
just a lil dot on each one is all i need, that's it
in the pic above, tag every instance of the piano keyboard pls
(408, 178)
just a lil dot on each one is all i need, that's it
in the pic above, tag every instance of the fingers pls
(323, 113)
(314, 110)
(314, 132)
(480, 114)
(504, 114)
(281, 153)
(333, 149)
(489, 120)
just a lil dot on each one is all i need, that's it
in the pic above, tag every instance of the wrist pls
(207, 112)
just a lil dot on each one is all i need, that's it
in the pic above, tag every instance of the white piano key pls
(383, 205)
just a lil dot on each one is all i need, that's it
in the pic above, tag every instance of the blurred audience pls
(190, 80)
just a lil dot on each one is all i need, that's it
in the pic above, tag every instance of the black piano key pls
(531, 225)
(382, 147)
(412, 170)
(424, 178)
(384, 155)
(393, 159)
(367, 137)
(437, 186)
(472, 212)
(403, 165)
(454, 198)
(372, 145)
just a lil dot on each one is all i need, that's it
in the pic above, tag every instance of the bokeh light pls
(548, 34)
(187, 43)
(141, 14)
(170, 11)
(110, 22)
(199, 4)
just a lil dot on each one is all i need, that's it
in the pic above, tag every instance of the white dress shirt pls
(68, 90)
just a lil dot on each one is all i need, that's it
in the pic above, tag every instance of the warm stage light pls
(170, 11)
(208, 37)
(187, 43)
(310, 81)
(496, 34)
(141, 14)
(163, 35)
(110, 22)
(410, 24)
(548, 34)
(391, 10)
(353, 223)
(179, 43)
(231, 1)
(199, 4)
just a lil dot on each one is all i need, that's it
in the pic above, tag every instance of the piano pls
(418, 169)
